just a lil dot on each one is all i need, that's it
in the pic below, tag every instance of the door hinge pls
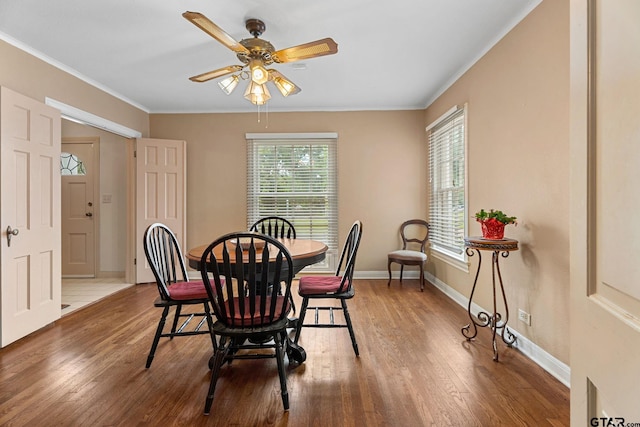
(135, 154)
(135, 261)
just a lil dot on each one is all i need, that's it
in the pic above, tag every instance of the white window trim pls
(305, 135)
(460, 262)
(451, 260)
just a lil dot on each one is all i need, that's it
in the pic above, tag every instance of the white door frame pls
(79, 116)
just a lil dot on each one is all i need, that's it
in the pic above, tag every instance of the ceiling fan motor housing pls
(258, 49)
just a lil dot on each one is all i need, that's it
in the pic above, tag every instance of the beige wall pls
(518, 157)
(34, 78)
(382, 164)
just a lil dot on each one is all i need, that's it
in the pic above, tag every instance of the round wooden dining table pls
(303, 252)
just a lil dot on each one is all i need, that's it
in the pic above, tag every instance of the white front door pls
(605, 231)
(30, 215)
(160, 193)
(79, 209)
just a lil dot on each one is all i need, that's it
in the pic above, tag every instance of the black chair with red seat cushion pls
(175, 290)
(251, 315)
(274, 226)
(335, 287)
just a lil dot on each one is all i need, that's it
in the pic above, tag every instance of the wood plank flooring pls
(414, 369)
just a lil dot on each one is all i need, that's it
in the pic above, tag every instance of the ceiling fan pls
(256, 54)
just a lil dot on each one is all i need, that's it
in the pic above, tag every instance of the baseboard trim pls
(558, 369)
(110, 274)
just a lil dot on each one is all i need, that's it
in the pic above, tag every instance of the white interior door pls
(160, 193)
(79, 210)
(605, 233)
(30, 220)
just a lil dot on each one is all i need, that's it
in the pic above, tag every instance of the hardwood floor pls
(415, 368)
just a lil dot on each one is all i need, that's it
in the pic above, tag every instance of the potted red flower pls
(493, 223)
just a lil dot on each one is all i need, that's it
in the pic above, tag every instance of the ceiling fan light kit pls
(256, 54)
(229, 84)
(285, 86)
(257, 94)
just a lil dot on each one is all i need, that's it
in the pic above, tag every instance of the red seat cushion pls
(314, 285)
(281, 310)
(182, 291)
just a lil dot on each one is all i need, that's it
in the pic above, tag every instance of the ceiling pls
(392, 55)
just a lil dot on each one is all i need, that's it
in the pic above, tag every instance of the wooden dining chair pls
(165, 259)
(274, 226)
(334, 287)
(251, 315)
(419, 236)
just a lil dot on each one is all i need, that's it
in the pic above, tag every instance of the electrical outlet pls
(523, 316)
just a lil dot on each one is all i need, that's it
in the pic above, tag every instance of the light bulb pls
(259, 74)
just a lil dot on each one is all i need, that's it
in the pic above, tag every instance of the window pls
(71, 165)
(447, 202)
(294, 176)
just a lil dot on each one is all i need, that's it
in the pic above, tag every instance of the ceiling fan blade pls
(216, 73)
(306, 51)
(202, 22)
(284, 85)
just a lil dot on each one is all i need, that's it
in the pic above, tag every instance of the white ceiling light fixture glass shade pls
(259, 74)
(257, 94)
(286, 87)
(229, 84)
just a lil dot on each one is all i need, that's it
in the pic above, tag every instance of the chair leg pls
(207, 313)
(156, 339)
(303, 312)
(176, 317)
(218, 360)
(421, 278)
(401, 271)
(350, 326)
(389, 268)
(277, 338)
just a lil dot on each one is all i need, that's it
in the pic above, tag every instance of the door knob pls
(10, 233)
(88, 214)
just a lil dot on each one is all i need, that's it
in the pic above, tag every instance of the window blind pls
(447, 202)
(296, 178)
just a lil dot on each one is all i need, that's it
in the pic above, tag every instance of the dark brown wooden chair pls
(175, 290)
(251, 313)
(275, 226)
(338, 286)
(408, 256)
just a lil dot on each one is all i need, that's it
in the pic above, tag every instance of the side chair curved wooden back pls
(407, 256)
